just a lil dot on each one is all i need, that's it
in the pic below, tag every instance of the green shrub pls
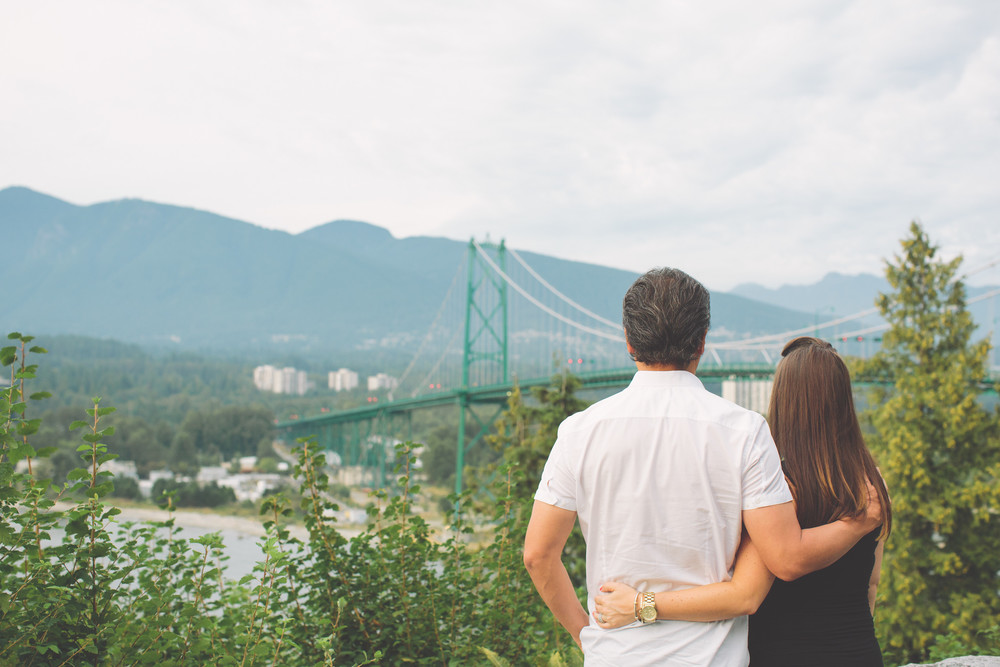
(106, 593)
(192, 494)
(126, 487)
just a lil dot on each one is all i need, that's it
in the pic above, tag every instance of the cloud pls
(772, 141)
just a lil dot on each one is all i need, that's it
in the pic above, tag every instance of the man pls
(662, 477)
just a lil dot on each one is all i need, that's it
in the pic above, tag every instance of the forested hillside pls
(177, 277)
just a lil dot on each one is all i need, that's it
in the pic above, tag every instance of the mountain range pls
(164, 275)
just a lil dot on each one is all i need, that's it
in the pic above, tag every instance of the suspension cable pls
(795, 332)
(559, 294)
(749, 343)
(430, 330)
(437, 364)
(520, 290)
(983, 296)
(980, 269)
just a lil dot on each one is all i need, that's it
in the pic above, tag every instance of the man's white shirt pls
(659, 475)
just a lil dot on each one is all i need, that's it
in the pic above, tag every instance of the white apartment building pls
(263, 377)
(281, 380)
(382, 381)
(750, 394)
(342, 380)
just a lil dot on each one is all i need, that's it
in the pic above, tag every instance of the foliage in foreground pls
(104, 593)
(939, 450)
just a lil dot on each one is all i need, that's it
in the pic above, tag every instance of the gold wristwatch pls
(647, 609)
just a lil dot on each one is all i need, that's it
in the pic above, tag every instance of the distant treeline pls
(180, 410)
(175, 410)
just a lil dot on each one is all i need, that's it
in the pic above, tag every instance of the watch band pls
(647, 612)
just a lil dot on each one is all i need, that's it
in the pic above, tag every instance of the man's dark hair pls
(666, 315)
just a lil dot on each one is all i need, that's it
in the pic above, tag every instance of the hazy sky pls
(769, 141)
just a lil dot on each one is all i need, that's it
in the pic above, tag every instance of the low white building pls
(146, 485)
(121, 468)
(251, 486)
(209, 474)
(246, 463)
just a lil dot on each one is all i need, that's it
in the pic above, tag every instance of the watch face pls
(647, 614)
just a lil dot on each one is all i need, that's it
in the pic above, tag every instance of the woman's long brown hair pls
(816, 429)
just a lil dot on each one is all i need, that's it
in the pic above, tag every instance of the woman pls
(823, 618)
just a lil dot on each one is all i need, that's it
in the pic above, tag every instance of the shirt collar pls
(665, 379)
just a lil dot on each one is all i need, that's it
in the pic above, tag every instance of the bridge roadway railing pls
(360, 440)
(498, 393)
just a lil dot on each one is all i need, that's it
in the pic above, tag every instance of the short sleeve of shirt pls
(558, 484)
(763, 480)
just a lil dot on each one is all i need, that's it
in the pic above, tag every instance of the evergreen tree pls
(183, 455)
(525, 434)
(939, 451)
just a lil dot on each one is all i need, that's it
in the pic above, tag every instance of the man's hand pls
(872, 517)
(873, 513)
(616, 607)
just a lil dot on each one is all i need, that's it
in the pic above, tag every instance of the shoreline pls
(209, 521)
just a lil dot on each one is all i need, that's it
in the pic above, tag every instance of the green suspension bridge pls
(516, 328)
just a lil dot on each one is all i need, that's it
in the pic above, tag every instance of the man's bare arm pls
(876, 573)
(548, 530)
(790, 552)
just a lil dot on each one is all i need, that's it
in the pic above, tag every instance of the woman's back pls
(822, 618)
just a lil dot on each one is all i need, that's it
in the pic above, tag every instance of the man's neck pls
(690, 368)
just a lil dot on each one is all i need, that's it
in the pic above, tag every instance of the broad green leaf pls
(493, 658)
(8, 355)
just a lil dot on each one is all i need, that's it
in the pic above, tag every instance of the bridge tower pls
(485, 351)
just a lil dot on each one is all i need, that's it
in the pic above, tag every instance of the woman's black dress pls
(820, 619)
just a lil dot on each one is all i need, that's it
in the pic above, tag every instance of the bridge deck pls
(498, 393)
